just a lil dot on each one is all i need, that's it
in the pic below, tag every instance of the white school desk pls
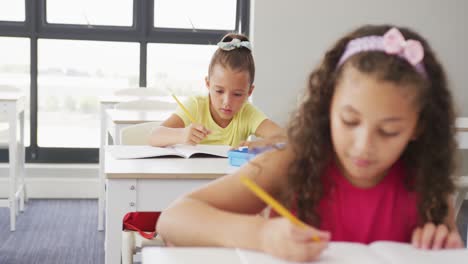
(107, 102)
(12, 105)
(150, 185)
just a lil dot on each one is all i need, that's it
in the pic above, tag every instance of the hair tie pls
(234, 44)
(392, 43)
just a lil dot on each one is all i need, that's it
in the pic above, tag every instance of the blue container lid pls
(239, 157)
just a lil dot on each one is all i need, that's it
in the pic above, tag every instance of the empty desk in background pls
(12, 106)
(150, 185)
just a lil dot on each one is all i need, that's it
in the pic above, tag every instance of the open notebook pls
(336, 253)
(184, 151)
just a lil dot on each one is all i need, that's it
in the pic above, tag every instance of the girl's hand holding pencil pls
(283, 239)
(287, 237)
(194, 134)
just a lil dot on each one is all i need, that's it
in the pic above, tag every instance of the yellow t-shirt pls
(243, 124)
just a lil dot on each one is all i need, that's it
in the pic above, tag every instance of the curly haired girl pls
(370, 157)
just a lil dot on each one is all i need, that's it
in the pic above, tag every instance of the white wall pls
(289, 38)
(55, 180)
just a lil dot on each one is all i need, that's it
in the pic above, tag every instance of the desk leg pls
(21, 162)
(13, 154)
(102, 186)
(117, 128)
(120, 200)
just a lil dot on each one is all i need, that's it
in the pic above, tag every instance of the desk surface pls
(336, 253)
(119, 116)
(108, 99)
(10, 96)
(166, 168)
(176, 255)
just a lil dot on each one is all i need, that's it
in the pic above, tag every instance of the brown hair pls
(239, 59)
(430, 159)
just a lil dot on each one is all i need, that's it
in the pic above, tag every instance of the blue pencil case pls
(239, 157)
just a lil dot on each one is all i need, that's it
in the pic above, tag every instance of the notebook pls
(336, 253)
(180, 150)
(381, 252)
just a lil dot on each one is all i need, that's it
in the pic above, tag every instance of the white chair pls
(162, 109)
(138, 134)
(132, 241)
(146, 104)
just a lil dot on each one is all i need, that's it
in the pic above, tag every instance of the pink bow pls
(395, 43)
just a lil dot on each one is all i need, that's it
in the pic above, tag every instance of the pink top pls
(387, 211)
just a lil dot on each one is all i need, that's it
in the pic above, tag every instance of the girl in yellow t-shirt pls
(224, 116)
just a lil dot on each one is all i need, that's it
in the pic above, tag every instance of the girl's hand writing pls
(431, 236)
(280, 238)
(194, 133)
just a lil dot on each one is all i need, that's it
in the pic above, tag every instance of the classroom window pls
(47, 47)
(180, 68)
(200, 14)
(71, 77)
(14, 74)
(90, 12)
(12, 10)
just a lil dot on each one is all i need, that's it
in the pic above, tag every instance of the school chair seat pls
(145, 105)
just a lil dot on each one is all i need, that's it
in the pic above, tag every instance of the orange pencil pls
(275, 205)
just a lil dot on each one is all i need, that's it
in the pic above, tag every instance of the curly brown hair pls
(239, 59)
(430, 159)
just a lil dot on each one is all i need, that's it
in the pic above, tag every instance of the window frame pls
(142, 31)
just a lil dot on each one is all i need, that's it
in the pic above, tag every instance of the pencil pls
(183, 108)
(275, 205)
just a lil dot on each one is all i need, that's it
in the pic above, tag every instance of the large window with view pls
(180, 68)
(65, 55)
(71, 77)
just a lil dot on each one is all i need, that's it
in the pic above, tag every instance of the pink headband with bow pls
(392, 43)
